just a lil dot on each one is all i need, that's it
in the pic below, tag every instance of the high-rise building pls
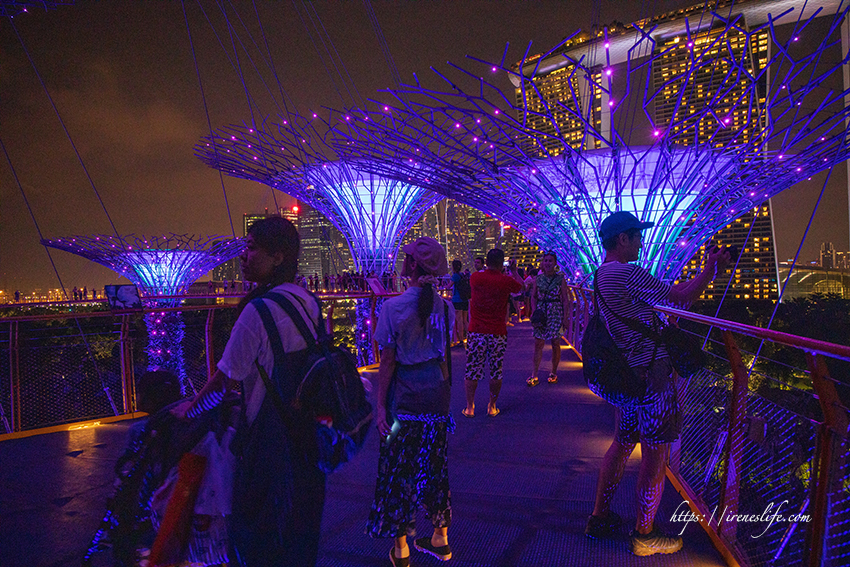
(754, 276)
(827, 256)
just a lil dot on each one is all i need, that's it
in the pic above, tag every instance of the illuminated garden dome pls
(158, 265)
(372, 211)
(687, 125)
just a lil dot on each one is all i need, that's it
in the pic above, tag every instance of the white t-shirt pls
(248, 342)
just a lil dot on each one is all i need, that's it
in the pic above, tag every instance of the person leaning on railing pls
(628, 291)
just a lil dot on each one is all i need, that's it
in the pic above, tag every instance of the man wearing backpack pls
(628, 291)
(461, 292)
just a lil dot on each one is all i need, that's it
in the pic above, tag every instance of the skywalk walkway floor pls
(522, 485)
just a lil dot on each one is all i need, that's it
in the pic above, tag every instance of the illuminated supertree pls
(162, 267)
(372, 211)
(687, 125)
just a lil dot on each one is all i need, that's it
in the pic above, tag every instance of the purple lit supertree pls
(162, 267)
(687, 125)
(291, 154)
(372, 211)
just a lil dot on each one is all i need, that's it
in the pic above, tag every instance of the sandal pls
(494, 412)
(553, 378)
(532, 381)
(464, 414)
(399, 561)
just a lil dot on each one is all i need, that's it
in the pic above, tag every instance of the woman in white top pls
(278, 491)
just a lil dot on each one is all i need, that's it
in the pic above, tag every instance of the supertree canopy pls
(689, 129)
(372, 211)
(158, 265)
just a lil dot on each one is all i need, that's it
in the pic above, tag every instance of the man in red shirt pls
(488, 334)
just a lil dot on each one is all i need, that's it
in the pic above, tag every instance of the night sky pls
(123, 78)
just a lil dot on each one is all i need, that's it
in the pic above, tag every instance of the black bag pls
(685, 350)
(464, 290)
(606, 371)
(538, 318)
(331, 391)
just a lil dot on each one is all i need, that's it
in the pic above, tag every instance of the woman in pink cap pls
(412, 408)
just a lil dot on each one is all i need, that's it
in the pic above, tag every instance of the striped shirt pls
(631, 291)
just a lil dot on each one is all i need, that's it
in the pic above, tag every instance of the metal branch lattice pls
(371, 210)
(699, 128)
(158, 265)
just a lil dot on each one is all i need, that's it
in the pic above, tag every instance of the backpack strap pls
(271, 329)
(296, 317)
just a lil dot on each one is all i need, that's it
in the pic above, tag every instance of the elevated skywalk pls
(522, 484)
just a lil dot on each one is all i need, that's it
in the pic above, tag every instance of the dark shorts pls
(659, 421)
(461, 305)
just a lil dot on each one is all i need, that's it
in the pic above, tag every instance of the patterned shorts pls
(660, 421)
(479, 349)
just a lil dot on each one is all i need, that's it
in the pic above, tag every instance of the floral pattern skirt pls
(412, 471)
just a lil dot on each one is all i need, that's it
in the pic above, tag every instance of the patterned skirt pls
(412, 471)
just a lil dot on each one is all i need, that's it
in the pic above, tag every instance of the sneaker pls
(603, 527)
(654, 542)
(443, 553)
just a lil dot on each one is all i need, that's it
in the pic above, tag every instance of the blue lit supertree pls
(291, 154)
(686, 128)
(162, 267)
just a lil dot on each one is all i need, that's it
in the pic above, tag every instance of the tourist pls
(412, 332)
(478, 263)
(549, 295)
(630, 291)
(460, 302)
(279, 492)
(488, 335)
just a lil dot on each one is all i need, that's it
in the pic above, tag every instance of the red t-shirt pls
(489, 303)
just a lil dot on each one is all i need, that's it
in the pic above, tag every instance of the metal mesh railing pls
(763, 453)
(61, 368)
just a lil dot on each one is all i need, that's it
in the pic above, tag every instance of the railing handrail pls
(144, 310)
(809, 345)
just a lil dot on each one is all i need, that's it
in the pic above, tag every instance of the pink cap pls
(429, 254)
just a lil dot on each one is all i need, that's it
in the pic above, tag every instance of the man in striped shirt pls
(630, 291)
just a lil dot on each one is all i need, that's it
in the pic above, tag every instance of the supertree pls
(685, 128)
(290, 153)
(162, 267)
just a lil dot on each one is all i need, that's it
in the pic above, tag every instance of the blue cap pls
(620, 222)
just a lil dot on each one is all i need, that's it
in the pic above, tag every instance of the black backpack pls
(330, 391)
(464, 290)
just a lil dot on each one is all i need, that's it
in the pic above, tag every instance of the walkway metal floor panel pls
(522, 485)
